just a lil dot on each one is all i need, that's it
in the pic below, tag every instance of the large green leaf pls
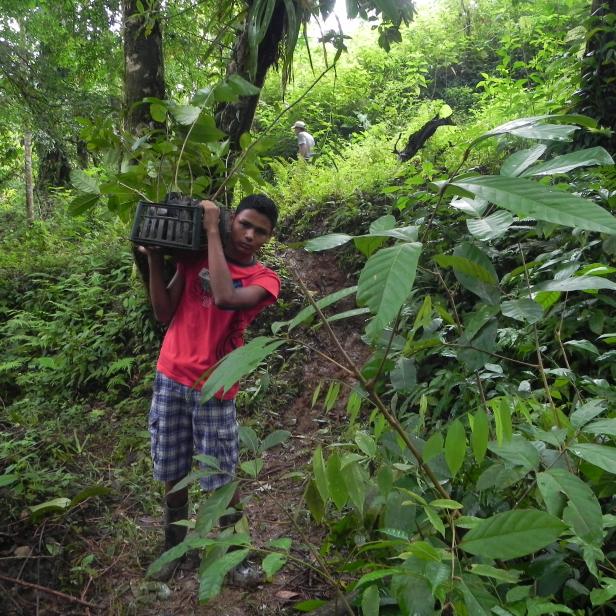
(480, 434)
(237, 364)
(587, 412)
(602, 456)
(335, 481)
(205, 130)
(211, 509)
(185, 114)
(529, 199)
(83, 182)
(241, 86)
(512, 534)
(325, 242)
(211, 579)
(455, 446)
(525, 310)
(486, 288)
(386, 281)
(370, 601)
(490, 227)
(576, 283)
(583, 511)
(519, 161)
(602, 426)
(567, 162)
(518, 452)
(320, 473)
(82, 203)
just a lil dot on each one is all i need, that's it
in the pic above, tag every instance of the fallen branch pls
(417, 140)
(49, 591)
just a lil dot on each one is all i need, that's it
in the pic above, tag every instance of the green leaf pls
(241, 86)
(602, 426)
(510, 576)
(158, 112)
(433, 446)
(576, 283)
(583, 511)
(211, 579)
(272, 563)
(446, 503)
(491, 227)
(370, 601)
(528, 199)
(466, 266)
(583, 345)
(8, 479)
(205, 130)
(587, 412)
(386, 281)
(383, 223)
(600, 596)
(83, 182)
(379, 574)
(252, 467)
(274, 439)
(455, 446)
(213, 507)
(249, 438)
(525, 310)
(335, 481)
(331, 397)
(422, 550)
(485, 288)
(567, 162)
(518, 452)
(51, 506)
(309, 605)
(502, 420)
(518, 162)
(435, 520)
(602, 456)
(86, 493)
(82, 203)
(325, 242)
(512, 534)
(314, 502)
(366, 443)
(185, 114)
(404, 375)
(355, 484)
(480, 435)
(237, 364)
(320, 475)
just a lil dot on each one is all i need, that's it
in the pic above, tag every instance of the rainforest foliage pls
(474, 472)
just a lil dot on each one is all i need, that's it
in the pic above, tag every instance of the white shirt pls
(305, 138)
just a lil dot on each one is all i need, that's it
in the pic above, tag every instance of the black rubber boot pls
(174, 535)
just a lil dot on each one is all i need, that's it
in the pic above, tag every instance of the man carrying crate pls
(208, 305)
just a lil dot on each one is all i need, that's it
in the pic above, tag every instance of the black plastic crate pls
(177, 223)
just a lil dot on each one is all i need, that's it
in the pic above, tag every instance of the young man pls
(208, 305)
(305, 141)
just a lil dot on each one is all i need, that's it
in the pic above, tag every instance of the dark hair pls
(262, 204)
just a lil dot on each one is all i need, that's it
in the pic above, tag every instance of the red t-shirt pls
(201, 333)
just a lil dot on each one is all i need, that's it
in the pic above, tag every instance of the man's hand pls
(211, 216)
(153, 253)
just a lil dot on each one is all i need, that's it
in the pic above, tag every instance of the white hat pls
(299, 124)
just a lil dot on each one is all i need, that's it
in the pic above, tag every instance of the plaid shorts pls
(180, 427)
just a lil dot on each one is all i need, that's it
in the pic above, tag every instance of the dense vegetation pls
(474, 470)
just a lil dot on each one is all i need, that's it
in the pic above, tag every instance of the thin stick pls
(49, 591)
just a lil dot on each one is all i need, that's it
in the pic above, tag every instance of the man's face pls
(249, 231)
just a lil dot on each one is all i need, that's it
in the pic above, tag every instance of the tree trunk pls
(144, 75)
(236, 118)
(597, 96)
(28, 176)
(144, 71)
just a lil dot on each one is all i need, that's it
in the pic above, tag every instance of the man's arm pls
(164, 299)
(303, 150)
(224, 293)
